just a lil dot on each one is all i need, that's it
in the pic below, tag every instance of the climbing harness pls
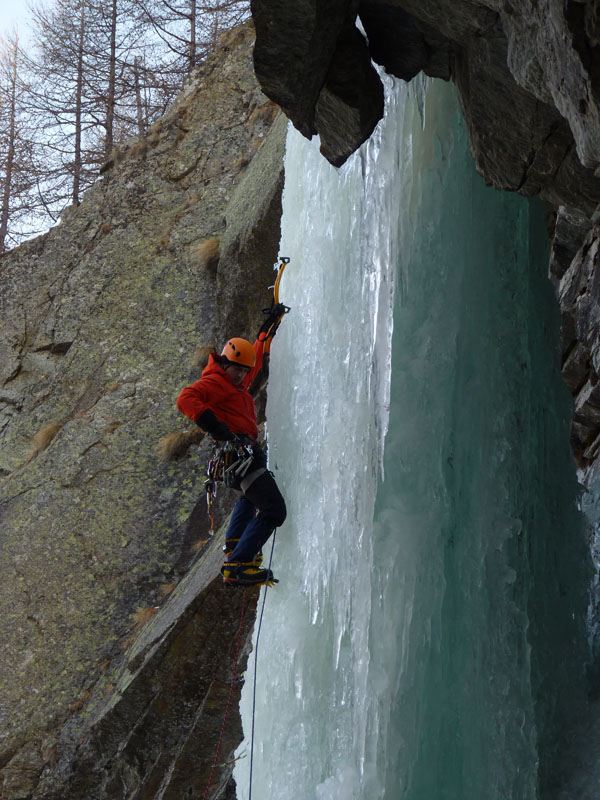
(229, 463)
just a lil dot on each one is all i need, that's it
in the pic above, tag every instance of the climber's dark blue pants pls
(256, 514)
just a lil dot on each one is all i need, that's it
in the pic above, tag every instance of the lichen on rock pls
(100, 318)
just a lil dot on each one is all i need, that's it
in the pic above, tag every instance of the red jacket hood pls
(231, 404)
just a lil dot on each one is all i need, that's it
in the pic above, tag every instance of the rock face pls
(118, 644)
(99, 319)
(153, 729)
(528, 79)
(312, 61)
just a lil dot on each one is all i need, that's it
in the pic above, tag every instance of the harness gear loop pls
(229, 463)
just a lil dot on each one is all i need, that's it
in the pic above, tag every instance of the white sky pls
(14, 12)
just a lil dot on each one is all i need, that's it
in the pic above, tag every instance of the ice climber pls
(221, 404)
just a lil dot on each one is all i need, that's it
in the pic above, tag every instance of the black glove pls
(274, 312)
(217, 429)
(243, 438)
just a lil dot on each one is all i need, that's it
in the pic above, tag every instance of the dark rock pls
(311, 60)
(456, 20)
(156, 720)
(579, 297)
(518, 142)
(294, 48)
(401, 44)
(551, 57)
(570, 229)
(576, 367)
(526, 134)
(587, 404)
(350, 104)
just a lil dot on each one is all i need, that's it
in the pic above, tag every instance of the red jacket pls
(231, 404)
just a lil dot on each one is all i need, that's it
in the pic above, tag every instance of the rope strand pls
(255, 667)
(233, 677)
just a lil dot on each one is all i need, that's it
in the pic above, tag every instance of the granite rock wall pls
(116, 640)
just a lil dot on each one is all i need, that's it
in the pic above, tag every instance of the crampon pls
(237, 573)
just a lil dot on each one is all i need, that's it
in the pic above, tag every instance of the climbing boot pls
(246, 573)
(229, 547)
(231, 544)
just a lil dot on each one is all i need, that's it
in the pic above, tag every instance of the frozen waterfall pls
(426, 640)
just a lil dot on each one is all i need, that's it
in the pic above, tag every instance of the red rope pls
(233, 677)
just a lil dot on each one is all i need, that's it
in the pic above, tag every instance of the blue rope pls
(255, 665)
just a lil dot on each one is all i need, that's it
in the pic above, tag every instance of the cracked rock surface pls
(99, 320)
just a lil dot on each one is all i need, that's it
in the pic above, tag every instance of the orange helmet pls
(239, 351)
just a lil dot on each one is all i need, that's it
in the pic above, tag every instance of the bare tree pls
(83, 89)
(189, 28)
(100, 71)
(17, 170)
(61, 101)
(117, 43)
(78, 109)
